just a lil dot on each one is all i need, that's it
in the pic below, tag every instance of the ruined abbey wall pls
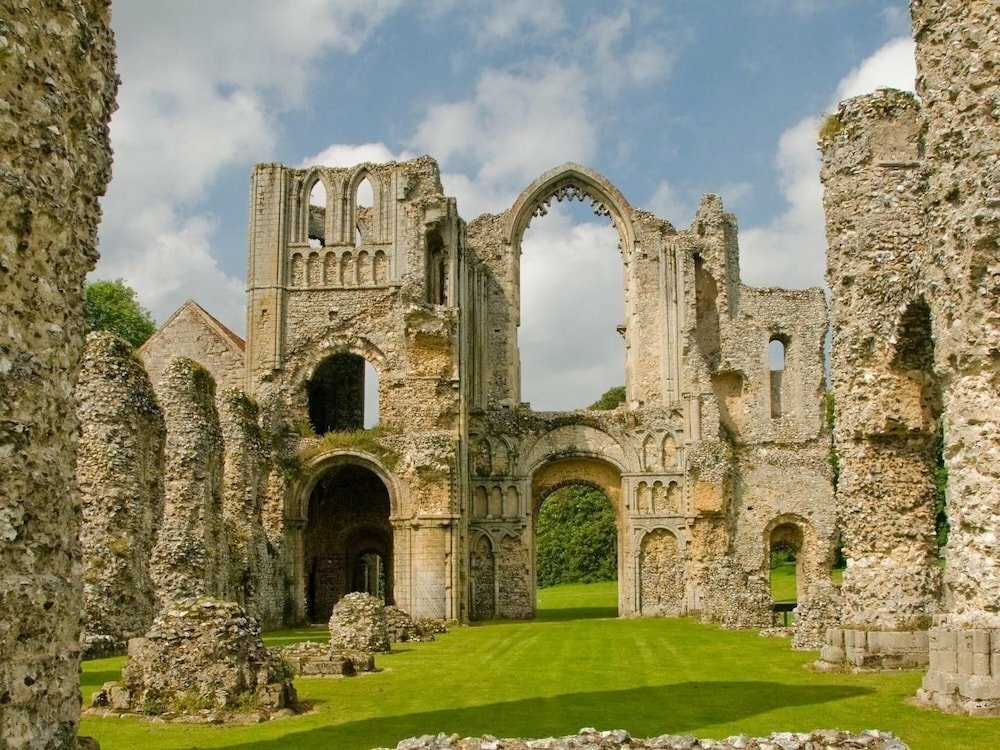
(119, 471)
(958, 64)
(190, 556)
(336, 283)
(57, 88)
(914, 236)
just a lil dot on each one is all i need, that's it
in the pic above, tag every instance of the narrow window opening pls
(437, 269)
(317, 215)
(776, 363)
(365, 196)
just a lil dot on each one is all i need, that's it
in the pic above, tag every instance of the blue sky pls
(669, 100)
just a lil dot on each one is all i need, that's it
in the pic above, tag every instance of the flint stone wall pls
(255, 578)
(591, 739)
(200, 655)
(57, 90)
(958, 64)
(120, 474)
(358, 623)
(189, 559)
(887, 397)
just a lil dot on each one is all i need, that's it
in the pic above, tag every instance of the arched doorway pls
(347, 539)
(600, 481)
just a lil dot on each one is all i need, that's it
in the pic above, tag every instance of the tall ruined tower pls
(336, 289)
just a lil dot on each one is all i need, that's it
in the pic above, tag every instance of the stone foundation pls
(964, 673)
(591, 739)
(874, 649)
(312, 659)
(201, 657)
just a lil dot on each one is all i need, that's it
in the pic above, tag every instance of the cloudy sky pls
(669, 100)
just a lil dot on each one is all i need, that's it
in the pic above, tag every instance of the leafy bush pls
(610, 399)
(577, 538)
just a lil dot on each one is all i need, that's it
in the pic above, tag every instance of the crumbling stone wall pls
(391, 300)
(958, 64)
(255, 579)
(358, 623)
(57, 88)
(120, 474)
(886, 393)
(201, 655)
(189, 559)
(661, 576)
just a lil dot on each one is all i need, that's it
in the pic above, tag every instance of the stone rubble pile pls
(358, 623)
(591, 739)
(204, 658)
(403, 628)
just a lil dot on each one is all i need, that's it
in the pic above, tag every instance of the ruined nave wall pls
(57, 88)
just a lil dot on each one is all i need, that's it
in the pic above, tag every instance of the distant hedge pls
(577, 538)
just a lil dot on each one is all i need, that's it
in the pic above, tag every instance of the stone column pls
(885, 420)
(120, 474)
(57, 88)
(958, 46)
(253, 578)
(189, 559)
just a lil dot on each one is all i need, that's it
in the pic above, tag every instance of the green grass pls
(569, 669)
(783, 581)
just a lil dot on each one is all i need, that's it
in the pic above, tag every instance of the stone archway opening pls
(785, 551)
(347, 540)
(577, 529)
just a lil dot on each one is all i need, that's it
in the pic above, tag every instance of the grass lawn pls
(575, 666)
(783, 581)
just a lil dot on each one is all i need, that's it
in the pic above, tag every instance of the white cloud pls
(514, 127)
(349, 154)
(202, 83)
(892, 66)
(791, 249)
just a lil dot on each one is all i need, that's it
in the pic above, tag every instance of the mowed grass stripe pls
(649, 676)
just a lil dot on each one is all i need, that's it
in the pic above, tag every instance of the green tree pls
(610, 400)
(577, 537)
(112, 306)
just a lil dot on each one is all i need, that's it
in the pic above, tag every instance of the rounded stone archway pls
(588, 471)
(345, 539)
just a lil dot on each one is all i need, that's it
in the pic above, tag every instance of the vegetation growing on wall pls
(611, 399)
(577, 538)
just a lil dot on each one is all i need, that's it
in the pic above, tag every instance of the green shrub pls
(577, 537)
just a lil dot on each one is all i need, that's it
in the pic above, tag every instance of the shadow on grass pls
(561, 614)
(644, 712)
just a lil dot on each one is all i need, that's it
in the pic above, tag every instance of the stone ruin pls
(614, 739)
(913, 224)
(57, 89)
(713, 456)
(358, 623)
(201, 658)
